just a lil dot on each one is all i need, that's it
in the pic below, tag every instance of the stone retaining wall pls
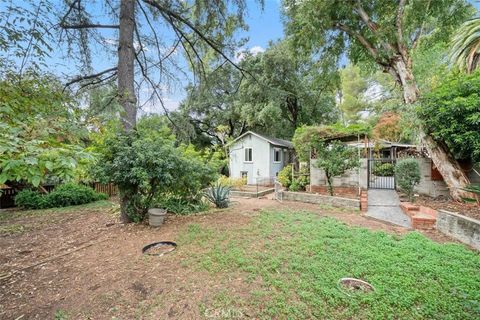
(464, 229)
(321, 199)
(247, 194)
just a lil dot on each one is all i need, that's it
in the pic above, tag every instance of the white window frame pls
(245, 155)
(275, 150)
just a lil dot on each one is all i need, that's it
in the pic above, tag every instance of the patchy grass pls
(16, 213)
(292, 263)
(11, 229)
(16, 222)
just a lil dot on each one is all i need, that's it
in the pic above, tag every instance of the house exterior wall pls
(277, 166)
(262, 155)
(427, 186)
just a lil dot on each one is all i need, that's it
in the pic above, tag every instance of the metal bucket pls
(156, 217)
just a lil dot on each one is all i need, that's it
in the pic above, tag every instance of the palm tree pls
(465, 46)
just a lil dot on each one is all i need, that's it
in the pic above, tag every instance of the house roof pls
(383, 143)
(274, 141)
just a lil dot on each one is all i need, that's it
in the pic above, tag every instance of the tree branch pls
(89, 26)
(179, 18)
(365, 18)
(91, 76)
(366, 44)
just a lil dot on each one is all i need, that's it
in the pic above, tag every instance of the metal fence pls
(381, 173)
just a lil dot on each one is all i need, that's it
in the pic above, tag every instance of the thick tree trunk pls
(126, 89)
(126, 61)
(404, 76)
(448, 167)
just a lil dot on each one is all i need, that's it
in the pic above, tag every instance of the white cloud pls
(242, 53)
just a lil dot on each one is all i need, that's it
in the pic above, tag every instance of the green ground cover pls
(292, 262)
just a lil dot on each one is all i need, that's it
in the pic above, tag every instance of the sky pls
(264, 26)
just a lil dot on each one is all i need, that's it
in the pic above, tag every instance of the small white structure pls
(258, 158)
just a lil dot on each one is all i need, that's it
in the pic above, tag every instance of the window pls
(248, 155)
(277, 155)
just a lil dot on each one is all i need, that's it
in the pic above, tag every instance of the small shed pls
(258, 158)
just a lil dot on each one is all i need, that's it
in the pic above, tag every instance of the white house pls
(259, 158)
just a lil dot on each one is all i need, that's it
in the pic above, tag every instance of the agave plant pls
(475, 189)
(465, 46)
(219, 195)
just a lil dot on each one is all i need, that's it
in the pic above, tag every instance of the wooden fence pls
(109, 189)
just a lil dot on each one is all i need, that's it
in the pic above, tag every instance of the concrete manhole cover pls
(351, 286)
(159, 248)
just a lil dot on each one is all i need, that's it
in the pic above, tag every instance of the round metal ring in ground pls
(159, 248)
(354, 286)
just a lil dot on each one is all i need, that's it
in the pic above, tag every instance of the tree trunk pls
(448, 167)
(404, 77)
(126, 89)
(126, 61)
(451, 171)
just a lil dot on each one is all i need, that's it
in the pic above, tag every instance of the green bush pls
(180, 205)
(63, 196)
(294, 186)
(384, 169)
(145, 169)
(218, 195)
(285, 176)
(407, 176)
(29, 199)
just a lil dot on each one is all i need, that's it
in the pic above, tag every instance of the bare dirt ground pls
(84, 263)
(471, 210)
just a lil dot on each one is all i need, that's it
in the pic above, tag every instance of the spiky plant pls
(475, 189)
(465, 46)
(219, 195)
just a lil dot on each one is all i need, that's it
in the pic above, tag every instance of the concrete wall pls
(464, 229)
(351, 178)
(320, 199)
(427, 186)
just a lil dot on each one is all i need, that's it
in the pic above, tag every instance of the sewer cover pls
(159, 248)
(352, 285)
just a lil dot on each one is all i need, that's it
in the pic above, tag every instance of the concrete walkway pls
(384, 205)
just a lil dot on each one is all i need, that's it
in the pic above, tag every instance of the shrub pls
(73, 194)
(335, 158)
(219, 195)
(29, 199)
(145, 169)
(407, 176)
(294, 186)
(180, 205)
(63, 196)
(285, 176)
(234, 183)
(384, 169)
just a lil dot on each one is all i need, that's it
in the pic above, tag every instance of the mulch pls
(471, 210)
